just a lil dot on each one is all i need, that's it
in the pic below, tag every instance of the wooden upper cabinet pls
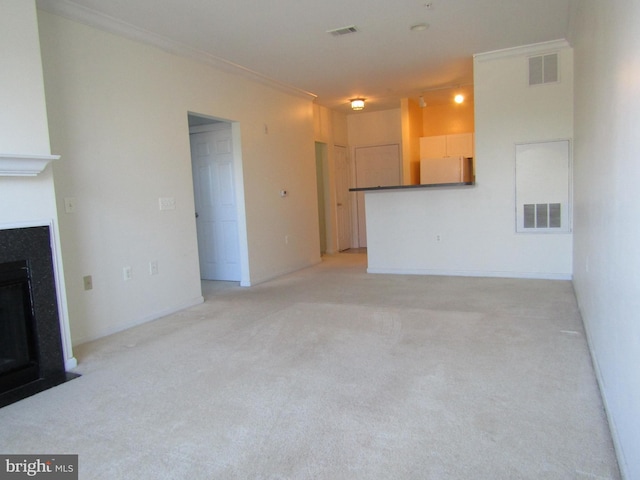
(460, 144)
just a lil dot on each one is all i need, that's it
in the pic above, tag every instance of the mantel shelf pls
(18, 165)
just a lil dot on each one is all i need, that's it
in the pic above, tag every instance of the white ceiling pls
(287, 41)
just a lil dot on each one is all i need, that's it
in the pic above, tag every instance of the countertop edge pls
(412, 187)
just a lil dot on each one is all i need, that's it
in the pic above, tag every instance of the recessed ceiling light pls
(419, 27)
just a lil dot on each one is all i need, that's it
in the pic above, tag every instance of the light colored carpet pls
(330, 373)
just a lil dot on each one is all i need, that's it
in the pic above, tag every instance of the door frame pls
(322, 184)
(348, 202)
(243, 244)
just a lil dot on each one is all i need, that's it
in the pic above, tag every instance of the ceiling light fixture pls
(357, 103)
(459, 98)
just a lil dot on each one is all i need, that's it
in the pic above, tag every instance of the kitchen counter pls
(409, 187)
(412, 229)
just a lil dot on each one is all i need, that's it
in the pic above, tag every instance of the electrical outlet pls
(153, 267)
(167, 203)
(127, 273)
(88, 282)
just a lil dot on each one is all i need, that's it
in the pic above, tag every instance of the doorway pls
(334, 200)
(218, 199)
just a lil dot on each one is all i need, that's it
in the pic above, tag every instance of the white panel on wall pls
(543, 176)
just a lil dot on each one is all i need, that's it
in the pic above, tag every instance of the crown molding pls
(101, 21)
(525, 50)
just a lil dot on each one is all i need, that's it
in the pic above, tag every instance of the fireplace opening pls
(31, 355)
(18, 349)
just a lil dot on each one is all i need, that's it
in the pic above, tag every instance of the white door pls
(375, 167)
(343, 206)
(215, 200)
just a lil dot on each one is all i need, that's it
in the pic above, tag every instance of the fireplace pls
(31, 355)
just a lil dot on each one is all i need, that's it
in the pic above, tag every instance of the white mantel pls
(15, 165)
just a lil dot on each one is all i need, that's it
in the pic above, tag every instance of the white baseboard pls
(154, 316)
(471, 273)
(70, 363)
(281, 273)
(617, 446)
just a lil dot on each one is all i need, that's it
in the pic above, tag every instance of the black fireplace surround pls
(31, 356)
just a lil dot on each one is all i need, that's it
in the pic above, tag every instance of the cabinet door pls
(433, 147)
(460, 145)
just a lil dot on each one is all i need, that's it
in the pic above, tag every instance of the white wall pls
(476, 225)
(24, 131)
(118, 115)
(607, 235)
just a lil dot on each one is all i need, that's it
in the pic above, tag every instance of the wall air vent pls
(338, 32)
(542, 215)
(543, 178)
(543, 69)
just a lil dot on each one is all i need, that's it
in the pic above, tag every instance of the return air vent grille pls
(543, 69)
(338, 32)
(543, 179)
(542, 215)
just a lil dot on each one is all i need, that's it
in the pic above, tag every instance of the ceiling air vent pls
(543, 69)
(343, 31)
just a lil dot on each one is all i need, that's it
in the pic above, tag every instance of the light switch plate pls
(153, 267)
(70, 204)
